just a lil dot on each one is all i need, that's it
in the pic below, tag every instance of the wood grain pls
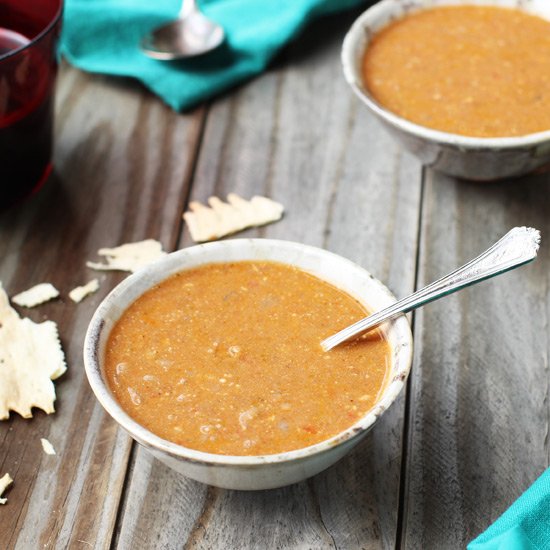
(117, 179)
(479, 400)
(299, 136)
(442, 464)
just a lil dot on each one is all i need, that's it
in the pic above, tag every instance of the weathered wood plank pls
(121, 163)
(479, 399)
(298, 135)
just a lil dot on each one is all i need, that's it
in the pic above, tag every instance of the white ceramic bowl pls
(473, 158)
(248, 472)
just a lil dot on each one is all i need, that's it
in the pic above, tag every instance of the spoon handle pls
(519, 246)
(187, 7)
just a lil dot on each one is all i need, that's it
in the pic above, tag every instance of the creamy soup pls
(226, 359)
(471, 70)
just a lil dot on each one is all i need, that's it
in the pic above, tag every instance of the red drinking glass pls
(29, 32)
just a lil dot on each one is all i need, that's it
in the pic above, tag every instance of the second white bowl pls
(474, 158)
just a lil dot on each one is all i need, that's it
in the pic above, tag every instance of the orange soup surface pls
(470, 70)
(226, 359)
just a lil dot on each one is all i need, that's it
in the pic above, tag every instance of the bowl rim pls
(402, 352)
(48, 27)
(352, 77)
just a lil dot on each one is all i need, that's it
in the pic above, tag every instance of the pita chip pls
(36, 295)
(47, 447)
(80, 292)
(5, 482)
(207, 223)
(129, 257)
(30, 358)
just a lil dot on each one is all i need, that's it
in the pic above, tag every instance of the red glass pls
(29, 32)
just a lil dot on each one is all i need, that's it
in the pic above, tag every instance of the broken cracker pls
(5, 482)
(220, 219)
(36, 295)
(30, 358)
(47, 446)
(129, 257)
(80, 292)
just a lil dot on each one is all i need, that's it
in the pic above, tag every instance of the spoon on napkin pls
(189, 35)
(519, 246)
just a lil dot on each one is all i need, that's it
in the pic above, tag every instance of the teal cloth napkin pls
(525, 525)
(102, 36)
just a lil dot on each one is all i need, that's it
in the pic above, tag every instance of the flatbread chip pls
(47, 446)
(224, 218)
(129, 257)
(5, 482)
(36, 295)
(80, 292)
(30, 358)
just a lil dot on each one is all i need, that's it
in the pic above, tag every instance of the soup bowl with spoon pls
(283, 468)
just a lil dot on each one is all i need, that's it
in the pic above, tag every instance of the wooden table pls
(465, 439)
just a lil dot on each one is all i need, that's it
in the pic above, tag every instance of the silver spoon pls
(519, 246)
(191, 34)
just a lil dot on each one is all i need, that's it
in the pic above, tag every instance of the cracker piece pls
(80, 292)
(202, 222)
(30, 358)
(129, 257)
(5, 482)
(47, 446)
(36, 295)
(224, 218)
(259, 211)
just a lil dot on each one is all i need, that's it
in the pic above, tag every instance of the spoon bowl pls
(190, 35)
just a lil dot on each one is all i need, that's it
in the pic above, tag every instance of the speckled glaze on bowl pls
(248, 472)
(481, 159)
